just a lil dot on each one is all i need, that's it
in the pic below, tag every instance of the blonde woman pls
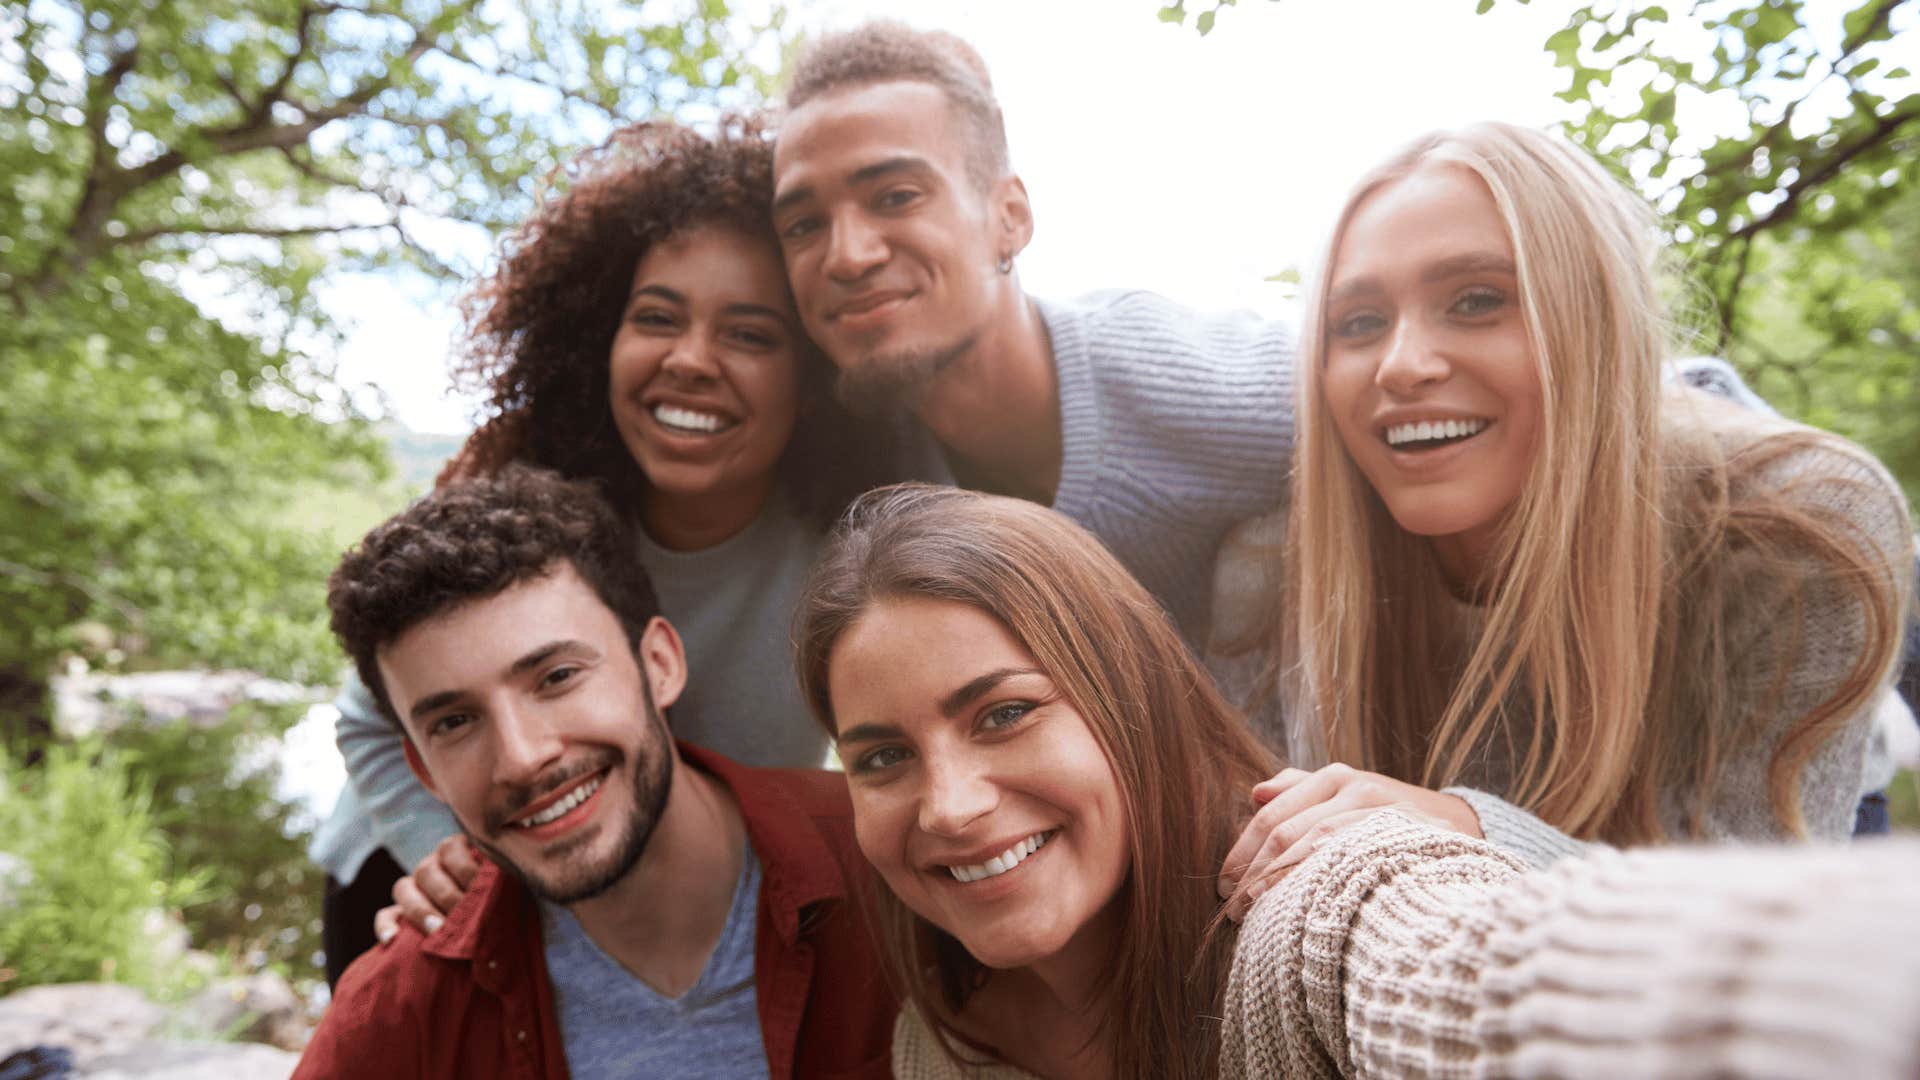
(1528, 586)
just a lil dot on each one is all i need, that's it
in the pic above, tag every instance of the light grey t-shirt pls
(614, 1025)
(733, 606)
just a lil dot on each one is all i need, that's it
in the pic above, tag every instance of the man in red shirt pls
(507, 628)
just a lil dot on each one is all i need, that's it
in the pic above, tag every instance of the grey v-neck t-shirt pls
(614, 1025)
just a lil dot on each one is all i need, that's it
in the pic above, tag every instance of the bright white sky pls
(1192, 166)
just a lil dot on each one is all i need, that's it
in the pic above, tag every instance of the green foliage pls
(1781, 140)
(213, 800)
(177, 179)
(96, 868)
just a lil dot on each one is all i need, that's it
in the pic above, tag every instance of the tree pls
(180, 176)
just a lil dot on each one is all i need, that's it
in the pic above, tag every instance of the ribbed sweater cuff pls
(1519, 833)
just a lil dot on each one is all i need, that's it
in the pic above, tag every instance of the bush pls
(214, 799)
(94, 868)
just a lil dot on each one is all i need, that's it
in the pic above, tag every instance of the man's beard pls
(884, 385)
(570, 883)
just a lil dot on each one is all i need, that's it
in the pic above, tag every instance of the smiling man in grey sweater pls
(1155, 427)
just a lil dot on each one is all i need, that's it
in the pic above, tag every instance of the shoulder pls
(1822, 475)
(1134, 323)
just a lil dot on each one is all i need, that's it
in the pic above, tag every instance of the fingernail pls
(434, 923)
(387, 934)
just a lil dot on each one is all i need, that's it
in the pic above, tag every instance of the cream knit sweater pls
(1402, 950)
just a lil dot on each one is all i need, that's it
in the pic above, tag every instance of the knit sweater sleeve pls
(1399, 949)
(1795, 628)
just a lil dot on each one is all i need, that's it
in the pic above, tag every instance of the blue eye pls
(1359, 326)
(1001, 717)
(1479, 302)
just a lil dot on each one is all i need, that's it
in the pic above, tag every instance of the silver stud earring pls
(1006, 264)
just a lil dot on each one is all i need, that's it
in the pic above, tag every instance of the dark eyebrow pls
(865, 174)
(673, 296)
(979, 686)
(1478, 262)
(531, 660)
(953, 703)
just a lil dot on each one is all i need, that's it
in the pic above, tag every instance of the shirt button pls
(522, 1036)
(493, 965)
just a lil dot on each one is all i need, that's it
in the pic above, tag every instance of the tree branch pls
(265, 231)
(1884, 129)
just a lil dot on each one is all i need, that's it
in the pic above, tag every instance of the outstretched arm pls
(1400, 949)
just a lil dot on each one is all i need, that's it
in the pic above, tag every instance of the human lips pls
(557, 804)
(1012, 855)
(867, 306)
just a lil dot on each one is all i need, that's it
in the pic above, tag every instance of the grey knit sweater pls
(1403, 950)
(1175, 426)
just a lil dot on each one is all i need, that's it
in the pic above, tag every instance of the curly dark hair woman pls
(539, 328)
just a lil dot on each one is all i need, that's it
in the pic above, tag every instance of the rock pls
(89, 702)
(193, 1061)
(90, 1019)
(258, 1008)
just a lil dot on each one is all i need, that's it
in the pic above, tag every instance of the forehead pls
(903, 654)
(833, 135)
(1436, 211)
(716, 259)
(475, 643)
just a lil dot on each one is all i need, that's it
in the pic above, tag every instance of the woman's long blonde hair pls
(1184, 759)
(1633, 500)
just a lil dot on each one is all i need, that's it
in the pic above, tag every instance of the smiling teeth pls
(559, 809)
(1002, 862)
(674, 416)
(1434, 429)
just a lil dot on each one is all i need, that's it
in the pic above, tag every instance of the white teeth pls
(1002, 862)
(557, 810)
(1424, 430)
(674, 416)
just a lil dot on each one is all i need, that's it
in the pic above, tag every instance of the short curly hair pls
(539, 328)
(887, 51)
(475, 538)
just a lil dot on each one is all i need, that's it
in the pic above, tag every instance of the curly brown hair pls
(475, 538)
(538, 329)
(887, 51)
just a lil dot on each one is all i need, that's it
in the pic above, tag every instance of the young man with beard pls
(1156, 427)
(649, 909)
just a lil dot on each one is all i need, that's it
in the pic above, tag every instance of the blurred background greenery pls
(179, 465)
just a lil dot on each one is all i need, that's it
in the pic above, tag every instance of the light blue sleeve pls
(1716, 376)
(406, 818)
(1519, 833)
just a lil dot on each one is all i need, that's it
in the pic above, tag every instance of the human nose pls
(524, 745)
(959, 791)
(691, 359)
(1413, 359)
(854, 248)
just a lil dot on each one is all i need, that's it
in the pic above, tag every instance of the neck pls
(1466, 560)
(680, 522)
(996, 411)
(663, 919)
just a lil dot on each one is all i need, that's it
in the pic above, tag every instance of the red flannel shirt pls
(473, 1002)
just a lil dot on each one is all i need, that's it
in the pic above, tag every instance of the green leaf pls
(1204, 23)
(1483, 7)
(1174, 12)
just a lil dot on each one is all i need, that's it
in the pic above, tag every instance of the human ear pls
(663, 662)
(1015, 212)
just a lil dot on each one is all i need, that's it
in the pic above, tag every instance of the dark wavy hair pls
(474, 538)
(538, 329)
